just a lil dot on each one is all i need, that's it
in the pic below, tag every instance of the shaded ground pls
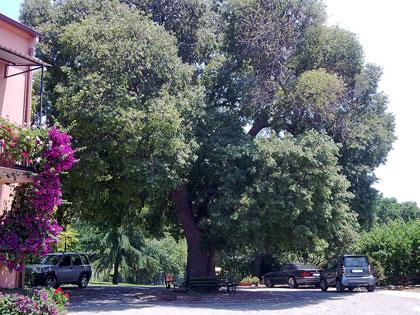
(152, 300)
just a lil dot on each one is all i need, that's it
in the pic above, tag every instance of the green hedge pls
(394, 251)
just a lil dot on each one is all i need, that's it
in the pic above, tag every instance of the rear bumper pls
(358, 281)
(308, 281)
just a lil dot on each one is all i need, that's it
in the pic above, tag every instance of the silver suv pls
(55, 269)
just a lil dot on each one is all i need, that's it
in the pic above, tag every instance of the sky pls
(10, 8)
(390, 35)
(389, 31)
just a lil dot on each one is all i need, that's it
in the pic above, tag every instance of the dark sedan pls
(293, 275)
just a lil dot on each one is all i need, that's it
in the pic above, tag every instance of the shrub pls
(394, 251)
(34, 302)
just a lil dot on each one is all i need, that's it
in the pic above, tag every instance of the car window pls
(303, 266)
(48, 260)
(356, 261)
(76, 260)
(332, 264)
(65, 262)
(85, 260)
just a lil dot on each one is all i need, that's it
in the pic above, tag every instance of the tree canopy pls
(237, 121)
(389, 209)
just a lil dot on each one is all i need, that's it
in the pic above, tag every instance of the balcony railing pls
(14, 172)
(18, 147)
(7, 160)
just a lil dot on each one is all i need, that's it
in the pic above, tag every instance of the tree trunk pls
(116, 275)
(200, 262)
(257, 265)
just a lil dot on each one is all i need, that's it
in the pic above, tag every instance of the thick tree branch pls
(259, 124)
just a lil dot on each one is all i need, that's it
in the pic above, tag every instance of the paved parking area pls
(125, 301)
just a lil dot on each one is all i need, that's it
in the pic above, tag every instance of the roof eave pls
(20, 26)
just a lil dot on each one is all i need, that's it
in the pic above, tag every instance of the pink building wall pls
(15, 105)
(15, 92)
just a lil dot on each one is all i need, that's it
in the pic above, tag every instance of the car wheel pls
(324, 285)
(292, 283)
(371, 288)
(268, 283)
(83, 281)
(51, 282)
(339, 286)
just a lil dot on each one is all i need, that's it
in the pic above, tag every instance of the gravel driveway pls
(125, 300)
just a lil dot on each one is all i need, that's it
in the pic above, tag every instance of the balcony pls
(10, 172)
(20, 152)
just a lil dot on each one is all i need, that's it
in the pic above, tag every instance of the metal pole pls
(41, 90)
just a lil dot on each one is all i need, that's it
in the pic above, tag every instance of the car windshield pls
(48, 260)
(357, 261)
(303, 266)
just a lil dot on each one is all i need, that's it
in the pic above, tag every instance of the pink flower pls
(37, 228)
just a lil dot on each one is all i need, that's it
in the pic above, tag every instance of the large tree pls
(257, 125)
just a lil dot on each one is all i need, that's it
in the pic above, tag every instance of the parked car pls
(55, 269)
(293, 275)
(348, 271)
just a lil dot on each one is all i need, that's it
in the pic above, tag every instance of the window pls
(76, 260)
(85, 260)
(332, 265)
(65, 262)
(357, 261)
(48, 260)
(303, 266)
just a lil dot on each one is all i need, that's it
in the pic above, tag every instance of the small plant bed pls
(33, 302)
(249, 282)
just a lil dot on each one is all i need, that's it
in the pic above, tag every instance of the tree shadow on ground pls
(120, 298)
(104, 298)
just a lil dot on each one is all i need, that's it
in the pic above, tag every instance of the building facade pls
(17, 63)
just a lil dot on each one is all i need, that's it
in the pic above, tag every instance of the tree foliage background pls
(243, 124)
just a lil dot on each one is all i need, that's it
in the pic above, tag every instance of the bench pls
(212, 283)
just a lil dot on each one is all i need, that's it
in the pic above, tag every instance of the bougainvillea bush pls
(34, 302)
(29, 227)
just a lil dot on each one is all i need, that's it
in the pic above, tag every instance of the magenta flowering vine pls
(29, 226)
